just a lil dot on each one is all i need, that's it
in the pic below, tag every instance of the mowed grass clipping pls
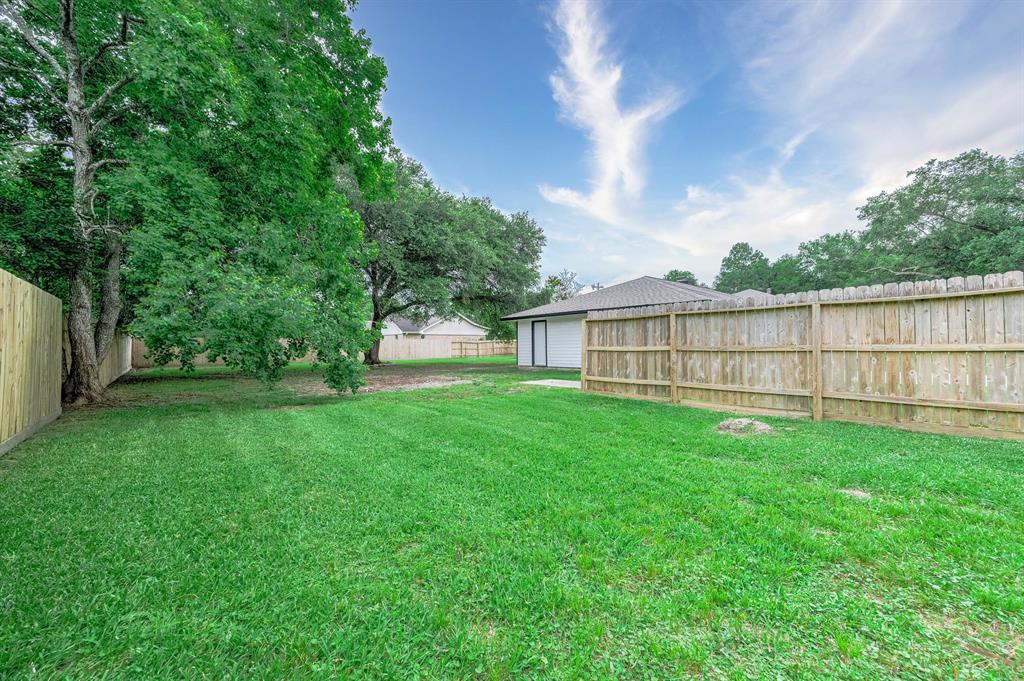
(496, 530)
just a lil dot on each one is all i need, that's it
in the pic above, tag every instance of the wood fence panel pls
(30, 351)
(939, 355)
(404, 347)
(477, 348)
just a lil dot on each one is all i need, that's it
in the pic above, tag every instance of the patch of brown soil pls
(745, 427)
(377, 380)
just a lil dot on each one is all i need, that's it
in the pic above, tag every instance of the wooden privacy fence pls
(944, 355)
(482, 348)
(30, 356)
(32, 342)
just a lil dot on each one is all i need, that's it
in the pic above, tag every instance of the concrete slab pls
(555, 383)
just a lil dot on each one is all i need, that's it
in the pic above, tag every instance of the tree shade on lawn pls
(500, 531)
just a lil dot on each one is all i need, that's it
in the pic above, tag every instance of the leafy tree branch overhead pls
(430, 253)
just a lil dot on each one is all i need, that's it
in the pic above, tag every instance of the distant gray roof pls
(642, 291)
(407, 325)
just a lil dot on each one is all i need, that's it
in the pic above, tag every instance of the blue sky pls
(647, 136)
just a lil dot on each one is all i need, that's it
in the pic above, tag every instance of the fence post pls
(583, 353)
(672, 356)
(816, 407)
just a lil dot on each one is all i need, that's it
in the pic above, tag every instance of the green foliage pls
(428, 252)
(682, 276)
(237, 236)
(36, 242)
(953, 218)
(562, 286)
(956, 217)
(744, 267)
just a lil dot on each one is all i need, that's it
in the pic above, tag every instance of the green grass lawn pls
(207, 528)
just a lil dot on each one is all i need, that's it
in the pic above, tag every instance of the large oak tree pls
(428, 252)
(200, 142)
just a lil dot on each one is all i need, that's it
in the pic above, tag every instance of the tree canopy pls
(955, 217)
(562, 286)
(215, 132)
(430, 253)
(682, 276)
(744, 267)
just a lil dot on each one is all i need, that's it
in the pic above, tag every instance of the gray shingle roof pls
(407, 325)
(642, 291)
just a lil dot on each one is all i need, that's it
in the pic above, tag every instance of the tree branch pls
(110, 92)
(102, 123)
(43, 13)
(38, 79)
(93, 167)
(29, 36)
(110, 46)
(45, 143)
(903, 273)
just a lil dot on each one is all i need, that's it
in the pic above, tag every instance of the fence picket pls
(937, 355)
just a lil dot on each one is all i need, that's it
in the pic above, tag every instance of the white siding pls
(525, 344)
(564, 342)
(391, 329)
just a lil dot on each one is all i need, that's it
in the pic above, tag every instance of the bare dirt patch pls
(386, 378)
(745, 427)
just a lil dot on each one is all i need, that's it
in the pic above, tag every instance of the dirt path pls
(394, 377)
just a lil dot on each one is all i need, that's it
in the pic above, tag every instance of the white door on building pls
(540, 344)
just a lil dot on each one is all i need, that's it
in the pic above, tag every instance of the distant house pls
(457, 326)
(550, 335)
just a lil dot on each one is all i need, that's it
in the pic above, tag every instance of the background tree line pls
(953, 218)
(218, 177)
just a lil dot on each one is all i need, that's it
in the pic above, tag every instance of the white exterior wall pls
(390, 329)
(564, 341)
(525, 344)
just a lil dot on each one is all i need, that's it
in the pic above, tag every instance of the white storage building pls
(550, 335)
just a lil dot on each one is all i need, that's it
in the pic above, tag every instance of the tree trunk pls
(110, 297)
(372, 356)
(83, 380)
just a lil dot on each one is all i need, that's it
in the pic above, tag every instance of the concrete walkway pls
(555, 383)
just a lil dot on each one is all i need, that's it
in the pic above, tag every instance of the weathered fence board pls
(483, 348)
(30, 351)
(941, 355)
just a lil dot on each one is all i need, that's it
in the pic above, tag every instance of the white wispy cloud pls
(877, 85)
(886, 80)
(851, 96)
(587, 89)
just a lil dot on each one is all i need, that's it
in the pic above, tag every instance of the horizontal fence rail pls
(945, 355)
(33, 343)
(483, 348)
(30, 355)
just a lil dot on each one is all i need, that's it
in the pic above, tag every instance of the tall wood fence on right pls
(945, 355)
